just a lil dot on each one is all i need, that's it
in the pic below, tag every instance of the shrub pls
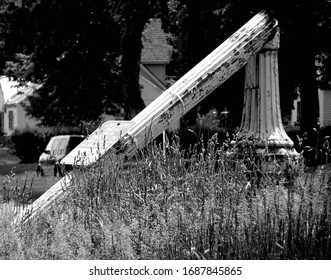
(5, 142)
(28, 144)
(314, 145)
(204, 128)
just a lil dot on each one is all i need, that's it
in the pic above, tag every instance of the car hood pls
(46, 158)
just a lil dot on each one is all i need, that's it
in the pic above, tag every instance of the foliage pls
(191, 22)
(73, 60)
(72, 49)
(211, 22)
(204, 127)
(314, 146)
(28, 144)
(86, 56)
(5, 142)
(132, 16)
(217, 205)
(322, 43)
(324, 70)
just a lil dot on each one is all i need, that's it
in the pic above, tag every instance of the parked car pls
(57, 148)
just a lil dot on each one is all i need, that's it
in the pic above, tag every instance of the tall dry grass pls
(216, 205)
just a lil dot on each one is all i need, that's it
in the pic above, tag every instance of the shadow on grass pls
(19, 168)
(25, 173)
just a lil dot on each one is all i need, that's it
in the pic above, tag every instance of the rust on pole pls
(167, 109)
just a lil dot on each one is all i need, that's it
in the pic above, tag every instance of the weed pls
(203, 203)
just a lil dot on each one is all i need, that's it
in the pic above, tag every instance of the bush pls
(28, 144)
(314, 145)
(204, 128)
(5, 142)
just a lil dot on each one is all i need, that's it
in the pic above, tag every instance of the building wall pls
(149, 91)
(2, 100)
(23, 120)
(325, 107)
(159, 70)
(10, 120)
(321, 107)
(324, 99)
(15, 117)
(295, 112)
(2, 108)
(2, 123)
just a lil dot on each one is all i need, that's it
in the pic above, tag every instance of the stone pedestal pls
(261, 119)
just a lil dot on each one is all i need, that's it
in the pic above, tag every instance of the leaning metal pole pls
(166, 110)
(261, 118)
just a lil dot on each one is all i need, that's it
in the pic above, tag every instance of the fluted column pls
(261, 118)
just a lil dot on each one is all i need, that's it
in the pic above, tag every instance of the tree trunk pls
(307, 78)
(131, 50)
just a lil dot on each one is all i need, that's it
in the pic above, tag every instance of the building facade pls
(324, 100)
(12, 101)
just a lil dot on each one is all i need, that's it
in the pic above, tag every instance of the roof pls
(13, 93)
(20, 96)
(156, 49)
(8, 87)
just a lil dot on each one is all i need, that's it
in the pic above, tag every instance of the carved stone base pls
(261, 119)
(277, 159)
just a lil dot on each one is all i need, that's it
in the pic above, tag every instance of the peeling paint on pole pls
(206, 76)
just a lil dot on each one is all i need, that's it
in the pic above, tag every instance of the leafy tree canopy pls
(85, 54)
(72, 49)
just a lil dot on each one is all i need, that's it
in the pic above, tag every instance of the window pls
(11, 120)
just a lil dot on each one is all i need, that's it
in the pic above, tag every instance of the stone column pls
(261, 118)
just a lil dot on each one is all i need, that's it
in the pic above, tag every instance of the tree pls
(197, 29)
(66, 48)
(306, 66)
(71, 48)
(85, 54)
(301, 23)
(132, 17)
(323, 44)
